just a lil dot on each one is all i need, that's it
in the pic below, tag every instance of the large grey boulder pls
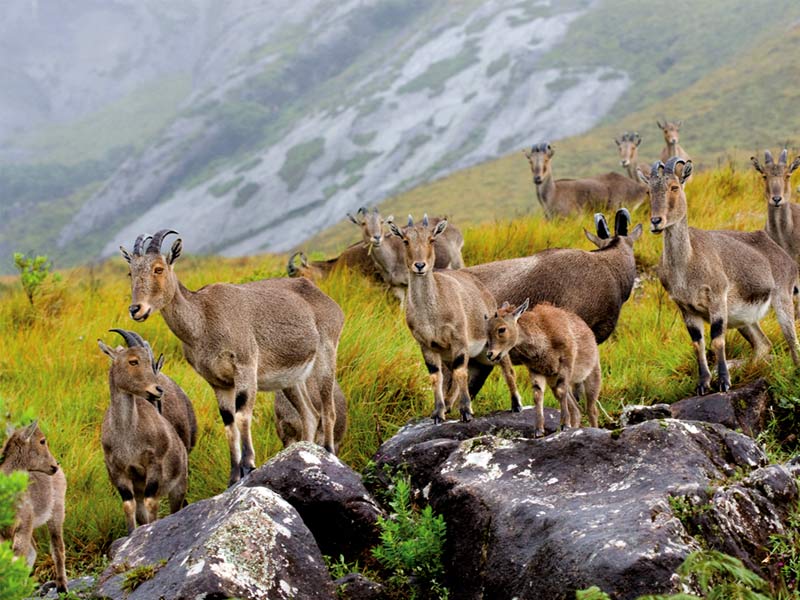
(419, 448)
(330, 497)
(245, 543)
(541, 518)
(743, 408)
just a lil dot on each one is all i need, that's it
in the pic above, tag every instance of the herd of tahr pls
(548, 312)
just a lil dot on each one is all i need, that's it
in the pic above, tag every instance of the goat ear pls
(440, 227)
(794, 165)
(389, 219)
(396, 230)
(686, 172)
(757, 165)
(175, 251)
(527, 153)
(678, 124)
(521, 309)
(660, 126)
(125, 254)
(353, 219)
(30, 430)
(636, 233)
(616, 141)
(643, 177)
(593, 238)
(107, 349)
(549, 150)
(159, 364)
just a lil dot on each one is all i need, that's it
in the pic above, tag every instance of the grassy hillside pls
(737, 109)
(51, 368)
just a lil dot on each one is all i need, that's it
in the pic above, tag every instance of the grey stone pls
(245, 543)
(639, 413)
(742, 408)
(355, 586)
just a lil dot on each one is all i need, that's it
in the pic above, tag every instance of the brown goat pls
(42, 502)
(173, 404)
(628, 147)
(783, 217)
(593, 285)
(726, 278)
(671, 130)
(354, 257)
(241, 338)
(565, 196)
(446, 311)
(556, 347)
(145, 458)
(388, 252)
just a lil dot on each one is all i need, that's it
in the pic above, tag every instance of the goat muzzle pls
(137, 314)
(776, 200)
(537, 180)
(656, 225)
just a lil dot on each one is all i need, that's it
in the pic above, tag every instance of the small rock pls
(247, 542)
(743, 408)
(639, 413)
(81, 587)
(357, 587)
(330, 497)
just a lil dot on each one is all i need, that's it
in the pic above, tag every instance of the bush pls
(33, 272)
(411, 547)
(15, 581)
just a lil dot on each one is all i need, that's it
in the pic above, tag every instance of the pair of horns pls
(134, 340)
(630, 137)
(781, 159)
(154, 247)
(424, 220)
(621, 222)
(540, 147)
(666, 168)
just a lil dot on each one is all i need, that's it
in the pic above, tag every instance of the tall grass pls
(50, 365)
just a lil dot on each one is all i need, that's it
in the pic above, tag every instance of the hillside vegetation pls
(51, 368)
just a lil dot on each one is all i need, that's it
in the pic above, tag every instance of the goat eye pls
(43, 441)
(501, 330)
(159, 270)
(133, 363)
(674, 188)
(405, 242)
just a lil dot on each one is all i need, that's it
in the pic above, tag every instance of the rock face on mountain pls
(299, 116)
(536, 518)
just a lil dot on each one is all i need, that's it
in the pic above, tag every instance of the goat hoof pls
(565, 427)
(245, 470)
(516, 406)
(466, 416)
(702, 389)
(724, 386)
(437, 420)
(538, 433)
(328, 448)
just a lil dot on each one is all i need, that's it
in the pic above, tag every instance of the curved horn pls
(621, 222)
(137, 245)
(782, 158)
(290, 268)
(425, 220)
(131, 338)
(768, 160)
(601, 226)
(672, 163)
(410, 221)
(303, 259)
(656, 166)
(374, 210)
(154, 247)
(362, 210)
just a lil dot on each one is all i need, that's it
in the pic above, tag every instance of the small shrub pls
(411, 546)
(138, 575)
(784, 555)
(15, 581)
(33, 272)
(592, 593)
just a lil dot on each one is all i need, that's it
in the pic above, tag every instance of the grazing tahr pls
(446, 312)
(726, 278)
(353, 257)
(564, 196)
(144, 455)
(556, 347)
(264, 335)
(783, 217)
(593, 285)
(671, 130)
(389, 255)
(42, 502)
(628, 146)
(173, 403)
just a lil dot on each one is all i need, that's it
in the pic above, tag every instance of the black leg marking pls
(227, 416)
(716, 328)
(695, 333)
(459, 361)
(125, 493)
(151, 489)
(241, 400)
(432, 368)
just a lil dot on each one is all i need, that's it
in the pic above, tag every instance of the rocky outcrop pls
(541, 518)
(418, 449)
(329, 495)
(245, 543)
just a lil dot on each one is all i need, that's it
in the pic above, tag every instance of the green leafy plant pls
(33, 272)
(138, 575)
(785, 555)
(411, 546)
(592, 593)
(15, 581)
